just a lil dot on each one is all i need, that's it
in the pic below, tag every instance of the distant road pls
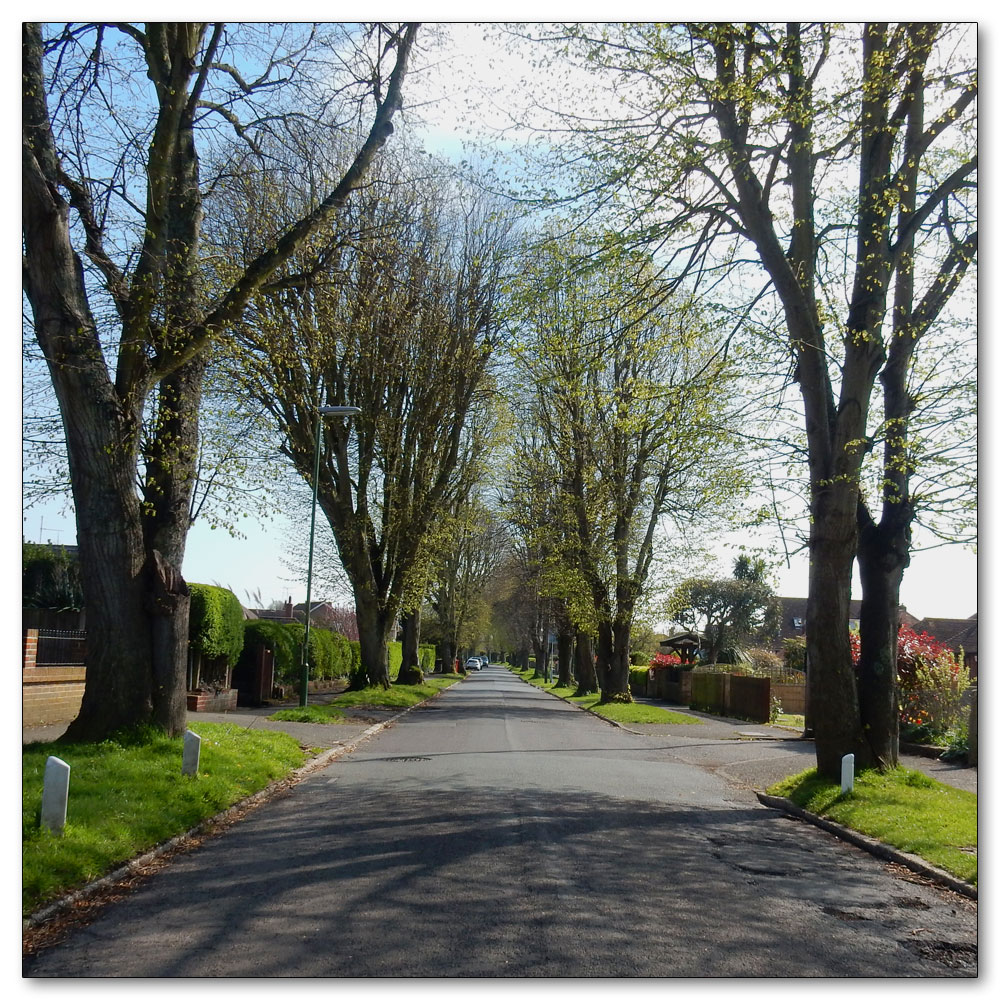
(498, 831)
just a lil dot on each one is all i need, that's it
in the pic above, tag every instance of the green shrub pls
(395, 659)
(795, 652)
(50, 578)
(330, 654)
(765, 663)
(355, 656)
(427, 655)
(638, 658)
(216, 626)
(637, 678)
(284, 639)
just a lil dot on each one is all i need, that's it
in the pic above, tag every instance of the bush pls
(764, 663)
(395, 659)
(427, 655)
(795, 653)
(932, 680)
(284, 639)
(637, 678)
(216, 625)
(638, 658)
(50, 578)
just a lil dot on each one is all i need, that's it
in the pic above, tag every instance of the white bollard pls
(55, 794)
(192, 753)
(847, 774)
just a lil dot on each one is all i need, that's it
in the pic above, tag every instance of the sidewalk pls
(784, 751)
(310, 734)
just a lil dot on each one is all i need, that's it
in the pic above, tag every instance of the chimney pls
(289, 607)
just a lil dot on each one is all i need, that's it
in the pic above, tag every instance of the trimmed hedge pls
(637, 678)
(330, 654)
(427, 655)
(216, 626)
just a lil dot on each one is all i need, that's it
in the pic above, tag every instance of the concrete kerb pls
(234, 812)
(872, 846)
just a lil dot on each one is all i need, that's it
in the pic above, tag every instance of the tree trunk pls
(447, 650)
(374, 626)
(835, 714)
(616, 686)
(881, 561)
(409, 670)
(586, 674)
(565, 658)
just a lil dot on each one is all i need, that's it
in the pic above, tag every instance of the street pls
(497, 831)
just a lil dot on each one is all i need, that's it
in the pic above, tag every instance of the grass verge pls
(615, 711)
(397, 696)
(903, 808)
(127, 797)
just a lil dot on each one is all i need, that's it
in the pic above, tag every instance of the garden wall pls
(791, 696)
(733, 696)
(51, 695)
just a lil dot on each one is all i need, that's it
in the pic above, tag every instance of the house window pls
(797, 622)
(854, 624)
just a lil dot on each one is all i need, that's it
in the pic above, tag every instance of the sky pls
(942, 582)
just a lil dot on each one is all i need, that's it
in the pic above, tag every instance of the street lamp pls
(322, 411)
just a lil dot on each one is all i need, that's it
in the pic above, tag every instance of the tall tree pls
(392, 311)
(112, 212)
(631, 401)
(845, 162)
(727, 612)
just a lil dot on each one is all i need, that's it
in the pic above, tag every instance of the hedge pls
(637, 677)
(216, 624)
(329, 652)
(427, 655)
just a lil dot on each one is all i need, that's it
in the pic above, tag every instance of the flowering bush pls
(665, 660)
(932, 680)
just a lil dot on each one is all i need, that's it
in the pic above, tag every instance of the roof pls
(953, 632)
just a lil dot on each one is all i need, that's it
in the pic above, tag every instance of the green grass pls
(125, 798)
(397, 696)
(615, 711)
(791, 721)
(903, 808)
(311, 713)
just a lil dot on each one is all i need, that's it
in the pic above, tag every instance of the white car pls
(473, 663)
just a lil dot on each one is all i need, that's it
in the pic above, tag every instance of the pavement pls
(797, 752)
(309, 734)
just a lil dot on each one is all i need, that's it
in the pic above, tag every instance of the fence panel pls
(61, 648)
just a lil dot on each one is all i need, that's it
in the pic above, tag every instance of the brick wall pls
(51, 695)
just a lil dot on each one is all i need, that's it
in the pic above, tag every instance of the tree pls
(474, 545)
(728, 612)
(113, 205)
(392, 310)
(630, 399)
(828, 159)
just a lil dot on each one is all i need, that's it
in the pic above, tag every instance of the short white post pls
(847, 774)
(192, 753)
(55, 794)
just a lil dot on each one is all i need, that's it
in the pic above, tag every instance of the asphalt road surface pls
(498, 831)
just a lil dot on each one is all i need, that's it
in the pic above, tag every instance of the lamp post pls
(321, 411)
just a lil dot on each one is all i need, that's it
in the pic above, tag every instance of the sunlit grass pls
(127, 797)
(398, 696)
(615, 711)
(903, 808)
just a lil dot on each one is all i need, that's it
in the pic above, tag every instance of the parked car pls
(484, 660)
(473, 663)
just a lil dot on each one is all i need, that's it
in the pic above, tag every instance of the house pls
(956, 634)
(953, 632)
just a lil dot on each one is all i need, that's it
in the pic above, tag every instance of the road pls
(497, 831)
